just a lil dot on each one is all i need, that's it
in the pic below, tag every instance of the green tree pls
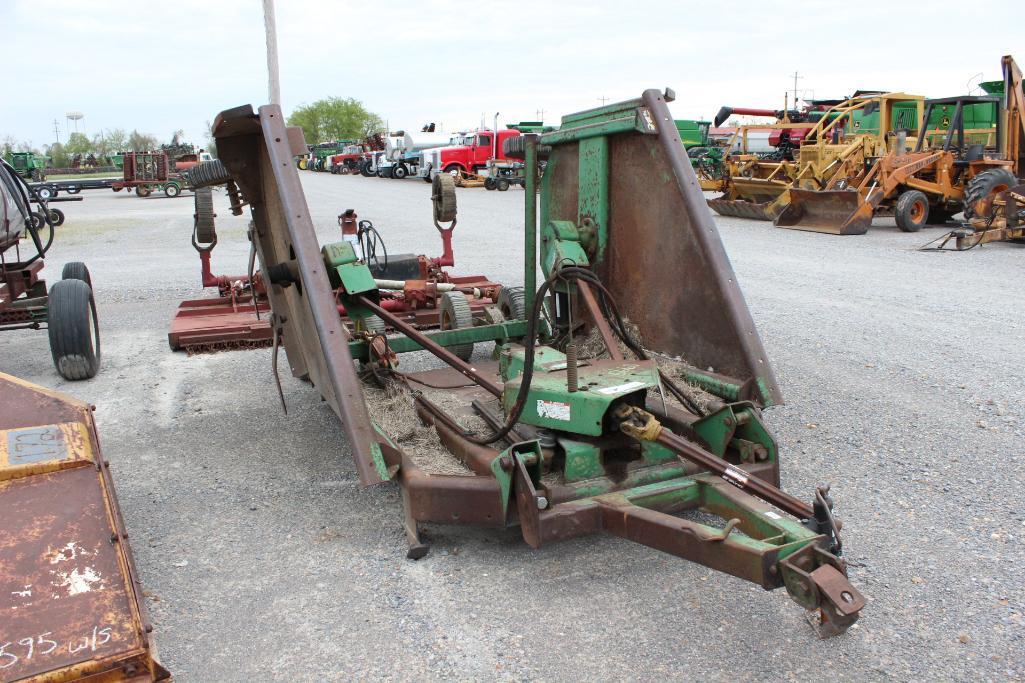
(107, 143)
(335, 118)
(58, 155)
(141, 142)
(78, 143)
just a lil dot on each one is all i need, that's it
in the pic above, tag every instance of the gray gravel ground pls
(264, 559)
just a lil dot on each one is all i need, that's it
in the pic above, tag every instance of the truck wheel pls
(73, 190)
(208, 173)
(912, 211)
(172, 190)
(454, 171)
(489, 183)
(454, 314)
(501, 184)
(56, 217)
(76, 270)
(982, 187)
(399, 171)
(74, 330)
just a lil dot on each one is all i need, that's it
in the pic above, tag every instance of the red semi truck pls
(470, 156)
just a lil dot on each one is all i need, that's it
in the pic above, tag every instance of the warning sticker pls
(622, 388)
(772, 515)
(553, 410)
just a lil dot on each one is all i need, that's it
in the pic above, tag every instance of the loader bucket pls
(740, 208)
(658, 249)
(834, 212)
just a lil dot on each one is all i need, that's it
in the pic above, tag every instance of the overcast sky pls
(160, 66)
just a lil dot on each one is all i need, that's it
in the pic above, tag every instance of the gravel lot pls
(263, 558)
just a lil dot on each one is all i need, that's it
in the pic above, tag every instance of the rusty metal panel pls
(665, 264)
(257, 150)
(69, 604)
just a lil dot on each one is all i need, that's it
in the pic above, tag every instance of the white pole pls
(273, 85)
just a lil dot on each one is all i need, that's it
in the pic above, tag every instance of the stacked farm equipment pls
(405, 152)
(966, 151)
(757, 186)
(563, 442)
(28, 165)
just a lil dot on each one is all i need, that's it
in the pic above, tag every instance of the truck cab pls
(471, 154)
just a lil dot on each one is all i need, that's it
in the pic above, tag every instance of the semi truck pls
(471, 154)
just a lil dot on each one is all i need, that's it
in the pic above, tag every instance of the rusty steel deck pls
(70, 604)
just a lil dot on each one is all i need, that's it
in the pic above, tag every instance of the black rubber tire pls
(73, 190)
(365, 171)
(334, 169)
(501, 184)
(443, 195)
(454, 314)
(45, 193)
(985, 184)
(74, 330)
(76, 270)
(142, 191)
(38, 219)
(454, 171)
(172, 190)
(208, 174)
(206, 231)
(489, 183)
(399, 171)
(911, 211)
(516, 148)
(37, 177)
(512, 302)
(56, 217)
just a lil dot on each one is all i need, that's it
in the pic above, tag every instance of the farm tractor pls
(967, 150)
(846, 134)
(28, 165)
(612, 403)
(68, 310)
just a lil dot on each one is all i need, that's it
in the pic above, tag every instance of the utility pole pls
(56, 130)
(603, 100)
(270, 27)
(540, 115)
(795, 77)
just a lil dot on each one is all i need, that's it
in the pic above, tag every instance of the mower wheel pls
(399, 171)
(443, 194)
(76, 270)
(912, 211)
(209, 173)
(983, 187)
(501, 184)
(512, 302)
(206, 232)
(142, 191)
(56, 217)
(37, 219)
(74, 330)
(489, 183)
(172, 190)
(454, 314)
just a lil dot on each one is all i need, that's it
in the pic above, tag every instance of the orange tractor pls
(967, 151)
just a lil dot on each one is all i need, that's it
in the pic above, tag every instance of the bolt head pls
(542, 503)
